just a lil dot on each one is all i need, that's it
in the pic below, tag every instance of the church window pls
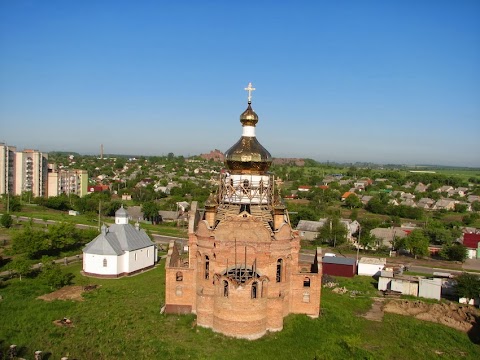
(225, 288)
(207, 267)
(135, 256)
(179, 276)
(246, 186)
(306, 282)
(254, 290)
(279, 270)
(148, 253)
(104, 262)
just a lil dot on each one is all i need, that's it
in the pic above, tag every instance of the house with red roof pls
(472, 243)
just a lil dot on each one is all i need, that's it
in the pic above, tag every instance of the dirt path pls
(460, 317)
(376, 311)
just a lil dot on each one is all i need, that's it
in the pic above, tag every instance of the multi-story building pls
(7, 168)
(69, 182)
(31, 172)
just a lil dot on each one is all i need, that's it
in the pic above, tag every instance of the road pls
(305, 255)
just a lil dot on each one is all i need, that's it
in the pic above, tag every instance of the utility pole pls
(99, 214)
(358, 241)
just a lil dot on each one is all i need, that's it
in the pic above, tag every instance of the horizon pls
(383, 83)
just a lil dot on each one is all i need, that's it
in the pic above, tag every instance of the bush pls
(6, 221)
(54, 277)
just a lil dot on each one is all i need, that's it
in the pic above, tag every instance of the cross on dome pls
(249, 88)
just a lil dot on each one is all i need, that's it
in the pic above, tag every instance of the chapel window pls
(279, 270)
(254, 290)
(207, 267)
(306, 282)
(179, 276)
(104, 262)
(225, 288)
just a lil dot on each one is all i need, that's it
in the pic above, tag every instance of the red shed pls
(339, 266)
(471, 240)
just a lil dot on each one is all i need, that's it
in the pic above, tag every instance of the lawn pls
(122, 320)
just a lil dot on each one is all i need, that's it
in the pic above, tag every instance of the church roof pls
(247, 154)
(118, 239)
(121, 212)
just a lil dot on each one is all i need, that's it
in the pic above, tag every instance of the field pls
(121, 320)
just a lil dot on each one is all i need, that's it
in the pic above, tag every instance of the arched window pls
(254, 290)
(306, 282)
(279, 270)
(207, 267)
(179, 276)
(104, 262)
(135, 256)
(225, 288)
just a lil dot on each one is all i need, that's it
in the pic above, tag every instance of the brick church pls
(242, 274)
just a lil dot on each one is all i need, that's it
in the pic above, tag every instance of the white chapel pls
(119, 250)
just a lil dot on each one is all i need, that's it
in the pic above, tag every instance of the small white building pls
(121, 249)
(371, 266)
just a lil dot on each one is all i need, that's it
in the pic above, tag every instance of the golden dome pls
(249, 117)
(248, 156)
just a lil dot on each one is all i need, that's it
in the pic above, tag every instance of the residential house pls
(426, 203)
(347, 194)
(408, 202)
(473, 198)
(308, 230)
(386, 236)
(365, 199)
(445, 204)
(421, 187)
(407, 196)
(445, 188)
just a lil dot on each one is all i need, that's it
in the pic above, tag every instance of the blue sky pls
(380, 81)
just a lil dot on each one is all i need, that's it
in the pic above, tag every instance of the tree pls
(6, 221)
(456, 252)
(332, 232)
(476, 206)
(468, 286)
(22, 266)
(54, 277)
(417, 243)
(150, 211)
(353, 202)
(29, 242)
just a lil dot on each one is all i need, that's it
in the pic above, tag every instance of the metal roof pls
(338, 260)
(118, 239)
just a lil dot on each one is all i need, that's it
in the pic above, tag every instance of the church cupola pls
(248, 156)
(210, 209)
(121, 216)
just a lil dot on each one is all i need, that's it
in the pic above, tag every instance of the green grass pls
(122, 320)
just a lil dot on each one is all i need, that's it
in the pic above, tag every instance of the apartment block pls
(66, 181)
(22, 171)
